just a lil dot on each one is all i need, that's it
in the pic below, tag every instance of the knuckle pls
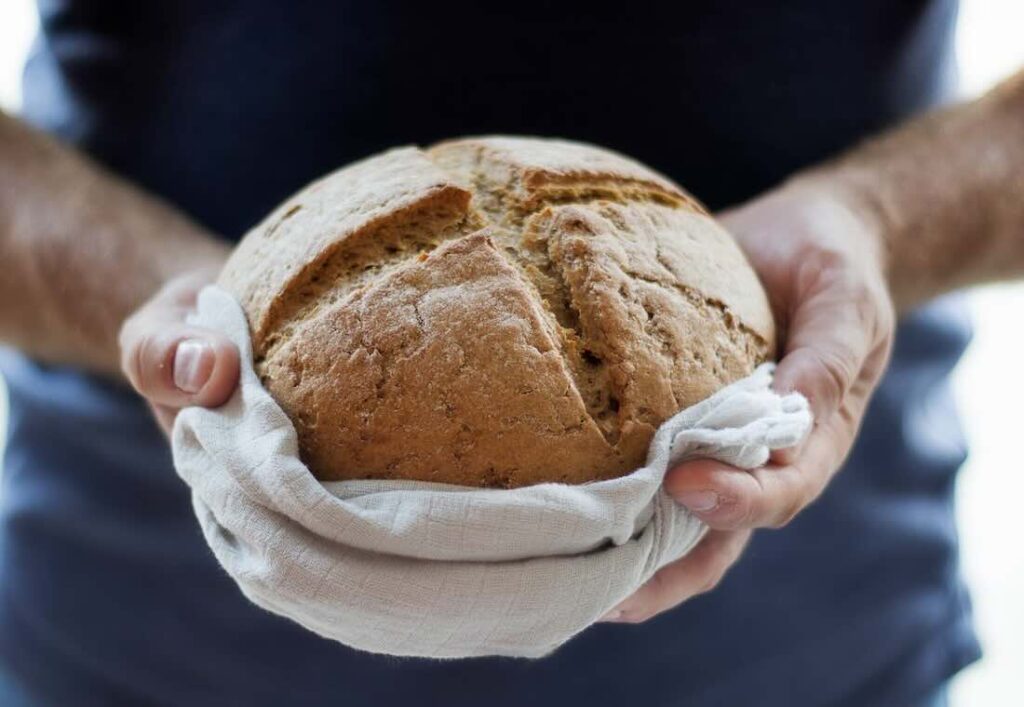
(745, 507)
(864, 302)
(825, 259)
(786, 514)
(835, 372)
(736, 512)
(821, 266)
(874, 311)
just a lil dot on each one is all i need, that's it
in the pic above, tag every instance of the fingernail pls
(699, 501)
(193, 362)
(613, 615)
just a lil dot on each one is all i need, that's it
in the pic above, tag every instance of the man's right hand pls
(171, 363)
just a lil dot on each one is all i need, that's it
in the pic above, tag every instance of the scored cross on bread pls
(493, 311)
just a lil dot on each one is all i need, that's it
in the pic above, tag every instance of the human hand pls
(822, 263)
(171, 363)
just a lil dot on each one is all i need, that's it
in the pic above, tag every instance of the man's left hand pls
(822, 262)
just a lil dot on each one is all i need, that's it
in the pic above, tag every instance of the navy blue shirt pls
(108, 594)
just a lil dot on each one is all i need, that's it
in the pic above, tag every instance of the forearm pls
(80, 250)
(946, 194)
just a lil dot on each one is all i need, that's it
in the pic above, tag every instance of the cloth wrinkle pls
(423, 569)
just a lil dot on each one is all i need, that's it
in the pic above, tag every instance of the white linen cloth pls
(422, 569)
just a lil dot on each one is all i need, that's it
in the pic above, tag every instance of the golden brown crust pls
(493, 312)
(443, 370)
(515, 176)
(647, 341)
(282, 254)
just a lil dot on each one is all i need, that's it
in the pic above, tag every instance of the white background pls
(989, 381)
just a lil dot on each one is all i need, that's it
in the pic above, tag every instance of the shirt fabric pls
(108, 594)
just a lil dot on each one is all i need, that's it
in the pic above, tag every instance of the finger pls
(181, 365)
(832, 333)
(174, 364)
(696, 573)
(727, 498)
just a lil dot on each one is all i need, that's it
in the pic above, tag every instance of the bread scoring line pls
(510, 212)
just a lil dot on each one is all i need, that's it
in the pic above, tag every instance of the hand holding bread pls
(823, 264)
(171, 363)
(504, 312)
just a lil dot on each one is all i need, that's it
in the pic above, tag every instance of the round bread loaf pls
(493, 311)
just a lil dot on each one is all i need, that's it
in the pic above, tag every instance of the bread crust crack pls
(493, 312)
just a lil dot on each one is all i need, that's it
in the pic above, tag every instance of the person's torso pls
(224, 108)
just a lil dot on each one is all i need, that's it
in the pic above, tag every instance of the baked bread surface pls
(494, 311)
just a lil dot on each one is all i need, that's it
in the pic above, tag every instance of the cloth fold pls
(420, 569)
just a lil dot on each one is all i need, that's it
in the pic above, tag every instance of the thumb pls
(832, 336)
(175, 365)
